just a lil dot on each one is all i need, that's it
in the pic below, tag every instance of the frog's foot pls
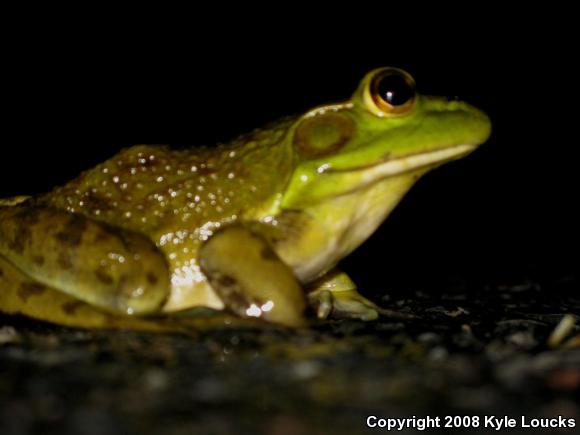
(335, 295)
(344, 304)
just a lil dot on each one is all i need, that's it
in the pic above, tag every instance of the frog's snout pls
(463, 121)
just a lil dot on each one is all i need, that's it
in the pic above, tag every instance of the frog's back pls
(150, 187)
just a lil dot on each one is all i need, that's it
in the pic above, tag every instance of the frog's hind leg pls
(20, 295)
(118, 270)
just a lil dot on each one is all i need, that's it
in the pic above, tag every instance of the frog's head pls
(385, 131)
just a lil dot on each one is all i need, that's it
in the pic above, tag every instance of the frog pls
(253, 228)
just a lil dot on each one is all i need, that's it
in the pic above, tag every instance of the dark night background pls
(484, 250)
(507, 210)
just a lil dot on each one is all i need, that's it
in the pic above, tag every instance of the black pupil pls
(394, 89)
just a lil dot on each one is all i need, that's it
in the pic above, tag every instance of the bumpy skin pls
(251, 226)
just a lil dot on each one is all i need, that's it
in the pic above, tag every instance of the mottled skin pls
(256, 226)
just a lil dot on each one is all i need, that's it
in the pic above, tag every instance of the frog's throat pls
(389, 167)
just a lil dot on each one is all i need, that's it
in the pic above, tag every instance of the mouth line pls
(388, 166)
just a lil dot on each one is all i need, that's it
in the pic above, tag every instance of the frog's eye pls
(391, 92)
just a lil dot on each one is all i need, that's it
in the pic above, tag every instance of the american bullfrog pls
(254, 227)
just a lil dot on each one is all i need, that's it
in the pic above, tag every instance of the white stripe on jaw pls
(409, 163)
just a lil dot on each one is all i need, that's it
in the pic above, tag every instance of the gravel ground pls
(477, 350)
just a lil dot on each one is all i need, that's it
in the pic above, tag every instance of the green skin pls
(255, 227)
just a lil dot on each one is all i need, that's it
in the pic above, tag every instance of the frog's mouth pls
(390, 166)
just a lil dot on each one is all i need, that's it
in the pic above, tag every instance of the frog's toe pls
(321, 301)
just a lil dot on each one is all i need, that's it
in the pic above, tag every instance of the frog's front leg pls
(115, 269)
(335, 294)
(250, 278)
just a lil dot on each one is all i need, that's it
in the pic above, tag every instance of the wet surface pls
(478, 349)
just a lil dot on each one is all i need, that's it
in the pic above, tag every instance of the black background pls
(73, 97)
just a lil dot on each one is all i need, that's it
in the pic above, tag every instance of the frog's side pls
(256, 226)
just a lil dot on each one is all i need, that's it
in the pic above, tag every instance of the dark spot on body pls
(268, 254)
(1, 273)
(225, 280)
(230, 292)
(69, 308)
(29, 215)
(237, 302)
(19, 239)
(121, 235)
(95, 202)
(205, 171)
(65, 260)
(73, 233)
(151, 278)
(102, 236)
(28, 289)
(291, 225)
(103, 277)
(38, 260)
